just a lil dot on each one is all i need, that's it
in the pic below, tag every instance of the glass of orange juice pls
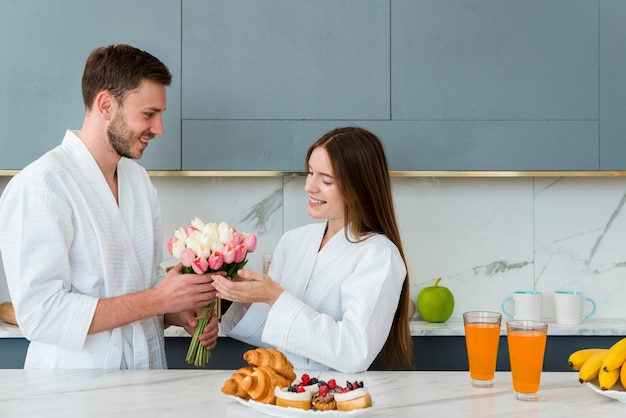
(482, 336)
(527, 345)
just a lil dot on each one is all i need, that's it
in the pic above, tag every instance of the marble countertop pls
(176, 393)
(591, 327)
(452, 327)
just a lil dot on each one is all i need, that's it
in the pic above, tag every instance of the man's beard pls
(121, 138)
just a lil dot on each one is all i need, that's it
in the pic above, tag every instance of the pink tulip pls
(216, 260)
(240, 253)
(200, 265)
(250, 241)
(170, 244)
(235, 239)
(187, 257)
(229, 253)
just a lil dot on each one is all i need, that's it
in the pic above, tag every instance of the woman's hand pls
(248, 287)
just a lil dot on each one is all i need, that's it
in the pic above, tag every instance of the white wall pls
(486, 237)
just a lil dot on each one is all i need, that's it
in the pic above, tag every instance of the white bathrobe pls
(338, 304)
(65, 243)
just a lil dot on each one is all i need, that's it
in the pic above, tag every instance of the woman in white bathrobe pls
(337, 292)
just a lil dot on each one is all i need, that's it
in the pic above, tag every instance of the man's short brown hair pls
(120, 69)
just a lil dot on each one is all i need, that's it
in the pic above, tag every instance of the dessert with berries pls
(310, 384)
(293, 397)
(297, 395)
(324, 399)
(353, 396)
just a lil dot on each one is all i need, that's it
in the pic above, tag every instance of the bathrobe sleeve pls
(37, 238)
(247, 324)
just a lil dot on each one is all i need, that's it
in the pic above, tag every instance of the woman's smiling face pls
(325, 201)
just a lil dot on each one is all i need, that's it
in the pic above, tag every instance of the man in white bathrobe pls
(81, 232)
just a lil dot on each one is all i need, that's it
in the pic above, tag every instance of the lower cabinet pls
(432, 353)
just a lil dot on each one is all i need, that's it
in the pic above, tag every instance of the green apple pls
(435, 303)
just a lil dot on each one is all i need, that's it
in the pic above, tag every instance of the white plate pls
(619, 394)
(280, 411)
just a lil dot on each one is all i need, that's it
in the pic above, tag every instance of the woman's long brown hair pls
(360, 169)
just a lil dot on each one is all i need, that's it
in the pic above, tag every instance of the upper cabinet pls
(44, 48)
(264, 79)
(495, 84)
(612, 85)
(446, 84)
(450, 85)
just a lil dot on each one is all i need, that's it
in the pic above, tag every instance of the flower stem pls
(197, 354)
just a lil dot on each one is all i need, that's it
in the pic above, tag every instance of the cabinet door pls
(45, 45)
(259, 74)
(497, 84)
(612, 85)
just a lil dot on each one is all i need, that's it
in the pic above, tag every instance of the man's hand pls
(178, 292)
(187, 320)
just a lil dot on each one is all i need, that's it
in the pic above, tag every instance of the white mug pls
(568, 307)
(527, 304)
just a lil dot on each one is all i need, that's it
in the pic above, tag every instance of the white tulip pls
(203, 246)
(224, 232)
(181, 234)
(197, 223)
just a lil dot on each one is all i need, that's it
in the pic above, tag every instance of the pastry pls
(261, 383)
(324, 399)
(353, 399)
(272, 358)
(233, 385)
(268, 368)
(290, 397)
(7, 313)
(308, 383)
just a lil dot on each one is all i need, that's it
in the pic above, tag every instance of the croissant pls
(261, 383)
(233, 386)
(273, 359)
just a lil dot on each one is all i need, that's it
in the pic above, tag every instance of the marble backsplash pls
(486, 237)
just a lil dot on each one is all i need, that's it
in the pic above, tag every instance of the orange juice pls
(481, 340)
(526, 351)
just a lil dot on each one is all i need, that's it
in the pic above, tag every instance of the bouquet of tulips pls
(205, 248)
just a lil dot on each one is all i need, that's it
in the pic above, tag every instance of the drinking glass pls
(527, 344)
(482, 336)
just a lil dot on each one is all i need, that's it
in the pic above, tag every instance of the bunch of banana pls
(578, 358)
(588, 362)
(605, 364)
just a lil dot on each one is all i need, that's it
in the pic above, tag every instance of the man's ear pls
(103, 104)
